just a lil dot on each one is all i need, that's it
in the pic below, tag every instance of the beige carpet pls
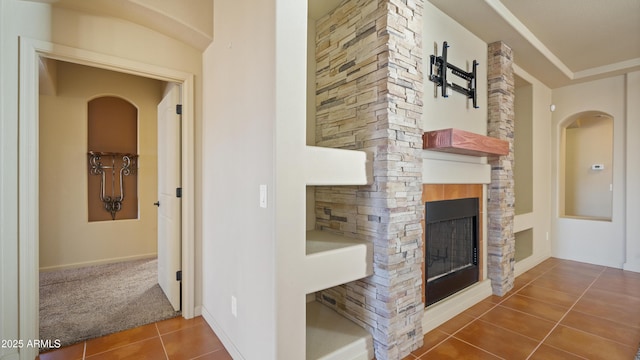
(84, 303)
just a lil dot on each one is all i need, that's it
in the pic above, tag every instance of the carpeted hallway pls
(84, 303)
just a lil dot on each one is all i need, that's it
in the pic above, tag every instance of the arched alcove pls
(586, 166)
(112, 127)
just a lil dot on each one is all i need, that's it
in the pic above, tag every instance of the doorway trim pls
(28, 192)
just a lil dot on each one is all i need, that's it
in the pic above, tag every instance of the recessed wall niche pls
(113, 139)
(523, 146)
(587, 166)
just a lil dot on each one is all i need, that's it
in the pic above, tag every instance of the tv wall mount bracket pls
(440, 65)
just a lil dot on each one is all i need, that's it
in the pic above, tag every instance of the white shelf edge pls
(328, 166)
(330, 336)
(333, 260)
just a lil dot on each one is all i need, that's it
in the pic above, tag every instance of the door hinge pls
(179, 275)
(179, 109)
(179, 192)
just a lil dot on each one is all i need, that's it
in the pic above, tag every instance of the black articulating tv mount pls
(440, 78)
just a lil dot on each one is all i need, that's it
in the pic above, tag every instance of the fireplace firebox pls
(451, 247)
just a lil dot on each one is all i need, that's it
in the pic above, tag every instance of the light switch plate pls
(263, 196)
(234, 306)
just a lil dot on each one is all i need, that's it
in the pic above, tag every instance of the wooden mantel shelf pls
(463, 142)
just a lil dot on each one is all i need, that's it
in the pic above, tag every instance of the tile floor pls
(171, 339)
(558, 310)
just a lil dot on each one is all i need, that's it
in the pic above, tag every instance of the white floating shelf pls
(331, 336)
(328, 166)
(333, 260)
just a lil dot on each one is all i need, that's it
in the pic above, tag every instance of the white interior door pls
(169, 204)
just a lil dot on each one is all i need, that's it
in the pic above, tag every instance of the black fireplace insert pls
(451, 247)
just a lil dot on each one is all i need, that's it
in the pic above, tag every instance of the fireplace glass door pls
(451, 247)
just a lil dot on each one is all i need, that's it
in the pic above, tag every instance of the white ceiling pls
(557, 41)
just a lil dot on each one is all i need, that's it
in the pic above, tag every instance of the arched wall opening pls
(112, 124)
(586, 166)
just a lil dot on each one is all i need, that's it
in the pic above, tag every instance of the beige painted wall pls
(632, 261)
(239, 239)
(596, 242)
(104, 35)
(455, 111)
(67, 238)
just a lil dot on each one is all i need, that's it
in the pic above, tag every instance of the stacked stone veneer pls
(500, 205)
(369, 90)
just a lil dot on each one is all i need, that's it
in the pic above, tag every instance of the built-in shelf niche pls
(334, 259)
(523, 146)
(331, 259)
(331, 336)
(524, 244)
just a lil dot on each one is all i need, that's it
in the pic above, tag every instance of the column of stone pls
(402, 262)
(501, 197)
(369, 83)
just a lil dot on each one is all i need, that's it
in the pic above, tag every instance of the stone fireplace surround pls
(369, 84)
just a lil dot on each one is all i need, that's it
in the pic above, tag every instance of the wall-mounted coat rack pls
(440, 77)
(124, 165)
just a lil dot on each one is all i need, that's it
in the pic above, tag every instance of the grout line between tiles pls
(181, 328)
(508, 330)
(604, 318)
(214, 351)
(434, 346)
(596, 335)
(566, 313)
(565, 351)
(477, 347)
(121, 346)
(164, 349)
(526, 313)
(546, 301)
(484, 313)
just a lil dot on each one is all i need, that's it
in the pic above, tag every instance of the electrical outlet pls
(234, 306)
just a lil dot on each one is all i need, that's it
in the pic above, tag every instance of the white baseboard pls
(197, 311)
(441, 312)
(529, 263)
(226, 341)
(99, 262)
(629, 266)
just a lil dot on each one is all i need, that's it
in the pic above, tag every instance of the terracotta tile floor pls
(171, 339)
(558, 310)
